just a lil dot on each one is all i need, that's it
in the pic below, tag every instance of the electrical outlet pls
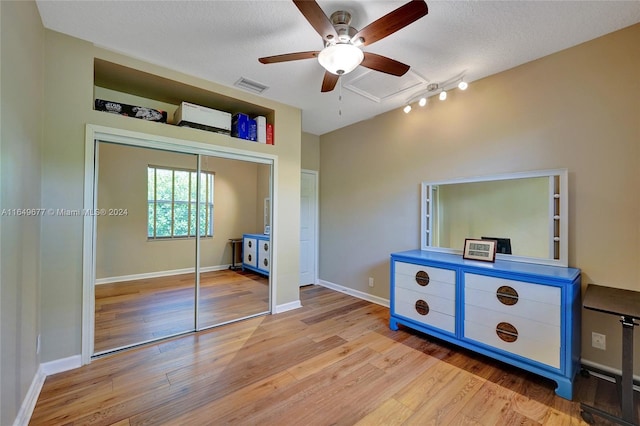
(370, 281)
(598, 341)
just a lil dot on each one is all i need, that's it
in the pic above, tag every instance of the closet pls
(163, 224)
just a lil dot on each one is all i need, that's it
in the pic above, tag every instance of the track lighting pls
(436, 88)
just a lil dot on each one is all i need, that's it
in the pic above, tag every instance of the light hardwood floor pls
(332, 362)
(127, 313)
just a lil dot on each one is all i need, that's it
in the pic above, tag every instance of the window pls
(172, 203)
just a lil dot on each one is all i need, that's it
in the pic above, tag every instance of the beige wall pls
(577, 109)
(21, 96)
(69, 105)
(122, 247)
(310, 152)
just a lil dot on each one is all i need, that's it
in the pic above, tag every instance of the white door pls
(308, 226)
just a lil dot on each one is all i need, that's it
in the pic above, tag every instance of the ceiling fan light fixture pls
(463, 85)
(423, 101)
(340, 58)
(443, 95)
(407, 109)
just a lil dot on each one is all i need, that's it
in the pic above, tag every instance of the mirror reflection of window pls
(172, 203)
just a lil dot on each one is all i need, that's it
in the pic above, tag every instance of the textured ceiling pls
(222, 40)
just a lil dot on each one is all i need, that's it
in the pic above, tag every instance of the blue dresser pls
(256, 253)
(524, 314)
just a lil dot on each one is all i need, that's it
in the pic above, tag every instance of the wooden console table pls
(626, 304)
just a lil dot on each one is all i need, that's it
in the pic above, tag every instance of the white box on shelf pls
(199, 117)
(261, 121)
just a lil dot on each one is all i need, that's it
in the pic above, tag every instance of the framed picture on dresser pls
(484, 250)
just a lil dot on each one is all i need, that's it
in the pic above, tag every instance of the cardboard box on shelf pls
(253, 130)
(261, 131)
(240, 126)
(143, 113)
(199, 117)
(270, 140)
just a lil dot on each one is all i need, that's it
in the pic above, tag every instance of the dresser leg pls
(565, 388)
(393, 324)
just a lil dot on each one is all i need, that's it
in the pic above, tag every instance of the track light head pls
(432, 89)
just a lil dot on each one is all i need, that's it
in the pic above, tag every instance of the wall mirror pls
(526, 212)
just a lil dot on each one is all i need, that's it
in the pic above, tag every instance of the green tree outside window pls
(172, 203)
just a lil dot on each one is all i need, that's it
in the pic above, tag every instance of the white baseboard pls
(30, 399)
(60, 365)
(158, 274)
(45, 369)
(604, 368)
(288, 307)
(356, 293)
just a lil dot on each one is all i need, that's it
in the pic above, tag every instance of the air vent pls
(250, 85)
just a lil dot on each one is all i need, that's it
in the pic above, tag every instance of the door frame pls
(95, 134)
(316, 227)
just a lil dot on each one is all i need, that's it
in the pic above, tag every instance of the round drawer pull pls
(507, 295)
(422, 278)
(266, 247)
(249, 257)
(266, 262)
(507, 332)
(249, 243)
(422, 307)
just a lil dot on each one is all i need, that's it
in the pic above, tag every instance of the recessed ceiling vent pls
(379, 86)
(250, 85)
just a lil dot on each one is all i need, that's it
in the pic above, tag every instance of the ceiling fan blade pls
(329, 81)
(288, 57)
(316, 17)
(391, 22)
(384, 64)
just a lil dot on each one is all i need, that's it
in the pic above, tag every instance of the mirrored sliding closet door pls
(228, 291)
(145, 245)
(165, 263)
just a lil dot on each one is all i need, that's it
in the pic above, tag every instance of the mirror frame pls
(558, 204)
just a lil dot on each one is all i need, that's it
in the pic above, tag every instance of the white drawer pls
(441, 282)
(435, 288)
(436, 303)
(263, 247)
(405, 305)
(536, 311)
(532, 349)
(263, 254)
(435, 274)
(528, 291)
(543, 333)
(249, 252)
(537, 302)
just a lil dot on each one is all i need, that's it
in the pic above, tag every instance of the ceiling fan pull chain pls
(340, 97)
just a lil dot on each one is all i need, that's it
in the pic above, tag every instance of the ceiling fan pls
(342, 51)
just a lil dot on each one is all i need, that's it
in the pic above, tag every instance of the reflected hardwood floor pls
(137, 311)
(332, 362)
